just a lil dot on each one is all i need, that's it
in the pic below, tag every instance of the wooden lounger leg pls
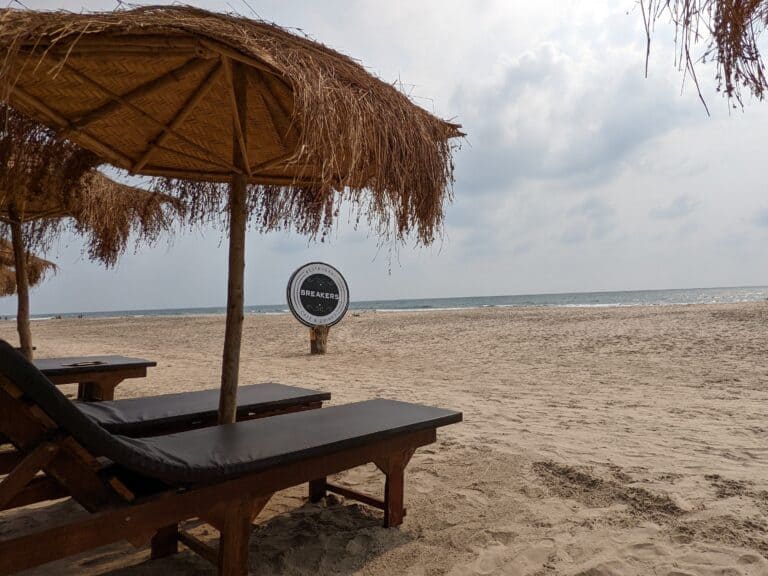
(393, 466)
(317, 489)
(233, 543)
(165, 542)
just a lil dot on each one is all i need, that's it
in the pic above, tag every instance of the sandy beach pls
(596, 441)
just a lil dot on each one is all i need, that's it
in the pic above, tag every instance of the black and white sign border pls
(294, 298)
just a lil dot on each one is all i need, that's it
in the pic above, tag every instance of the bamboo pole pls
(22, 289)
(237, 222)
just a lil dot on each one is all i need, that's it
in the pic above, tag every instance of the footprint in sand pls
(474, 497)
(504, 536)
(521, 560)
(359, 545)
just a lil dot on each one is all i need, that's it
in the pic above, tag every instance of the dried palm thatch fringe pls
(7, 281)
(348, 136)
(729, 31)
(37, 269)
(52, 185)
(48, 185)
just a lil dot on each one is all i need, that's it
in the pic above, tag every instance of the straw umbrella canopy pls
(183, 93)
(49, 185)
(730, 34)
(37, 269)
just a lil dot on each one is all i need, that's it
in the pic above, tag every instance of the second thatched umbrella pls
(37, 268)
(187, 94)
(49, 185)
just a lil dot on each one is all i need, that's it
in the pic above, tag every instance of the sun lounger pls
(139, 489)
(167, 413)
(153, 415)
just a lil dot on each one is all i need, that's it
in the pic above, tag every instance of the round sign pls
(318, 295)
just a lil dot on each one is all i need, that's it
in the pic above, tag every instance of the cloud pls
(681, 206)
(593, 218)
(569, 114)
(761, 218)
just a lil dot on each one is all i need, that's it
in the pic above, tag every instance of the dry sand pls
(596, 441)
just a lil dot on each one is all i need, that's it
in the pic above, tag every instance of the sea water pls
(575, 299)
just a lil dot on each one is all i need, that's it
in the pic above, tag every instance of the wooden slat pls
(72, 467)
(200, 159)
(238, 99)
(199, 93)
(80, 478)
(354, 495)
(25, 470)
(272, 163)
(199, 547)
(29, 101)
(188, 68)
(11, 389)
(135, 109)
(227, 52)
(126, 42)
(224, 176)
(128, 51)
(39, 489)
(280, 119)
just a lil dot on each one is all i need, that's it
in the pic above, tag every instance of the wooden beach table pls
(96, 376)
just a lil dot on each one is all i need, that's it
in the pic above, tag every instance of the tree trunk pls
(237, 223)
(22, 290)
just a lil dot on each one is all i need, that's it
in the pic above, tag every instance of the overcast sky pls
(578, 173)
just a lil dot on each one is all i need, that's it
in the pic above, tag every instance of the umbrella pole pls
(22, 290)
(237, 225)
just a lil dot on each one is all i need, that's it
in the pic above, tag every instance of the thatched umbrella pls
(37, 268)
(183, 93)
(730, 34)
(49, 184)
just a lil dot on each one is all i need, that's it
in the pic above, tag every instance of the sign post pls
(318, 297)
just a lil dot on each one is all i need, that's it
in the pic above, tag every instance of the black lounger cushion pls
(133, 416)
(213, 454)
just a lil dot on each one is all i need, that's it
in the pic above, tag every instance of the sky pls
(578, 173)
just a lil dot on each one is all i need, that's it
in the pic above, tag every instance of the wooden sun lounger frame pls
(10, 458)
(120, 514)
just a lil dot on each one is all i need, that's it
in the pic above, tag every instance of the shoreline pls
(170, 313)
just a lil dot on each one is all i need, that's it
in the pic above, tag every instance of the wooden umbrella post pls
(318, 339)
(237, 225)
(22, 290)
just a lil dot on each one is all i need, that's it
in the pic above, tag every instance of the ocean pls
(575, 299)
